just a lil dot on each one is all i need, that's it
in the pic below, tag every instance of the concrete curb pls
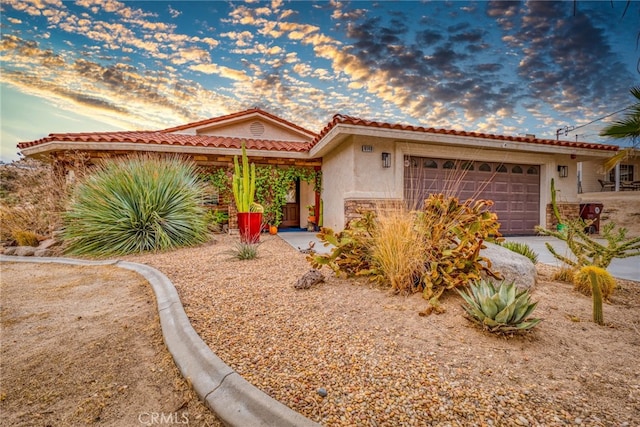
(234, 400)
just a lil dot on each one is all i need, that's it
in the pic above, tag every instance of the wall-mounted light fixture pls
(386, 160)
(563, 171)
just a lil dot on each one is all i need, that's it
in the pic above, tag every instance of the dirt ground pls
(82, 346)
(621, 208)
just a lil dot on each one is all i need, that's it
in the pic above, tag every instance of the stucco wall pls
(337, 180)
(244, 129)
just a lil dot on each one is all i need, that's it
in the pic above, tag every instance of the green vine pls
(272, 186)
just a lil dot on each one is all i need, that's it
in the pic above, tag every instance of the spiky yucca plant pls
(135, 204)
(502, 309)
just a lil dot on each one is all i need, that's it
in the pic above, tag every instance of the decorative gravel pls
(346, 353)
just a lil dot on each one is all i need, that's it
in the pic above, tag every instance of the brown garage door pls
(515, 188)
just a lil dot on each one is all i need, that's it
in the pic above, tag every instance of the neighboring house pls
(625, 176)
(366, 163)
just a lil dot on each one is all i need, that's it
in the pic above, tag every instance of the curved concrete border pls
(234, 400)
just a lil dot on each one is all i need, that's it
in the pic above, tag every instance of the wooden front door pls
(291, 211)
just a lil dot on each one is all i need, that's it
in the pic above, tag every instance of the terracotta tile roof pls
(349, 120)
(163, 138)
(237, 115)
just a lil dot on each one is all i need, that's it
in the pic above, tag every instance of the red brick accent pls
(567, 210)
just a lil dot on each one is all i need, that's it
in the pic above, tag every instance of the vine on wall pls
(272, 186)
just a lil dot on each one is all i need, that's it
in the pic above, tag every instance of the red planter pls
(250, 225)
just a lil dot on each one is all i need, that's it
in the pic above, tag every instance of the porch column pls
(617, 177)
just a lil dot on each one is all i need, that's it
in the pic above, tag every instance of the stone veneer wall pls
(353, 208)
(567, 210)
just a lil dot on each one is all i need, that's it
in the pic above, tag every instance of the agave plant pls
(499, 309)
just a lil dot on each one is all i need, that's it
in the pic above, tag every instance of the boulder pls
(42, 252)
(25, 251)
(10, 250)
(48, 243)
(310, 279)
(513, 266)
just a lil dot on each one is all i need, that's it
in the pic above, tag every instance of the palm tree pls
(629, 127)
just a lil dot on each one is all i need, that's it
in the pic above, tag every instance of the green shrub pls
(582, 281)
(245, 251)
(136, 204)
(522, 249)
(502, 309)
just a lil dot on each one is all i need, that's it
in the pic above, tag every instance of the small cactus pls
(582, 281)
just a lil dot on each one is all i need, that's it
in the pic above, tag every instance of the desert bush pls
(32, 199)
(582, 281)
(522, 249)
(432, 250)
(25, 238)
(351, 254)
(397, 250)
(502, 309)
(135, 204)
(455, 233)
(564, 274)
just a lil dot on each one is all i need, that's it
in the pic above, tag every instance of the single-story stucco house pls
(364, 162)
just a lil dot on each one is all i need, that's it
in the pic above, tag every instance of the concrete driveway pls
(626, 268)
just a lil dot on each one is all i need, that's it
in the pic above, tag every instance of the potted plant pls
(312, 213)
(244, 189)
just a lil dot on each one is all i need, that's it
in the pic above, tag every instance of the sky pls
(514, 68)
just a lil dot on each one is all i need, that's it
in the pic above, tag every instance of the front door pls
(291, 211)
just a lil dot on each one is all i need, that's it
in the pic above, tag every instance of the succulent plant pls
(582, 281)
(500, 309)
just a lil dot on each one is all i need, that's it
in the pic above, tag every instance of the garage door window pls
(485, 167)
(430, 164)
(449, 165)
(516, 169)
(501, 169)
(532, 171)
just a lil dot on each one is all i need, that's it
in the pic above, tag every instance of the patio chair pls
(606, 185)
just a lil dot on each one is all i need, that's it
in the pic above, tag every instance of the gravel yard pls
(383, 365)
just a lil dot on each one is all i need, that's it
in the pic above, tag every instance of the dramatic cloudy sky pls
(500, 67)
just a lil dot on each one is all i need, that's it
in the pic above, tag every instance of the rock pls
(48, 243)
(42, 252)
(11, 250)
(513, 266)
(25, 251)
(310, 279)
(322, 392)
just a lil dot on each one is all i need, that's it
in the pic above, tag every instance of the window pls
(430, 164)
(449, 165)
(501, 169)
(626, 173)
(516, 169)
(468, 166)
(485, 167)
(532, 171)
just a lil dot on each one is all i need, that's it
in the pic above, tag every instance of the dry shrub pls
(25, 238)
(398, 250)
(33, 197)
(582, 281)
(564, 274)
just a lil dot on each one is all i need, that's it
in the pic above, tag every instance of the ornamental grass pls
(136, 204)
